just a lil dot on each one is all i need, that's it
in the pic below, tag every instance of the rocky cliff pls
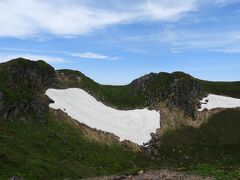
(22, 87)
(178, 90)
(23, 83)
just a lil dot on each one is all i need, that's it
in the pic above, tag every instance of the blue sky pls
(116, 41)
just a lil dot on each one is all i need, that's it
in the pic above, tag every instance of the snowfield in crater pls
(134, 125)
(215, 101)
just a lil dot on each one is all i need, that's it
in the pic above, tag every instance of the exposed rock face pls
(24, 84)
(27, 80)
(67, 80)
(34, 75)
(185, 94)
(177, 89)
(75, 79)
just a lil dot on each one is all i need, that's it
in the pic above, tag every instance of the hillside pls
(21, 80)
(231, 89)
(59, 150)
(212, 149)
(52, 145)
(177, 89)
(22, 85)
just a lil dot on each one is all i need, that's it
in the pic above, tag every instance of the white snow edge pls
(133, 125)
(213, 101)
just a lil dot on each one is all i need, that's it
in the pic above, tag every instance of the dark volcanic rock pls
(185, 94)
(33, 75)
(177, 89)
(25, 84)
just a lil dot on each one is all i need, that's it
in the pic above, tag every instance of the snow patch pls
(134, 125)
(215, 101)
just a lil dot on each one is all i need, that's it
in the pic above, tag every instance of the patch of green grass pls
(231, 89)
(117, 96)
(212, 149)
(121, 97)
(219, 172)
(58, 150)
(15, 83)
(126, 96)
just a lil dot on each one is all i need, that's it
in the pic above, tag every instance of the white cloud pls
(72, 17)
(91, 55)
(167, 10)
(233, 50)
(51, 60)
(226, 42)
(25, 53)
(225, 2)
(177, 41)
(180, 40)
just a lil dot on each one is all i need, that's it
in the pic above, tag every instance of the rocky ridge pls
(24, 83)
(22, 86)
(178, 90)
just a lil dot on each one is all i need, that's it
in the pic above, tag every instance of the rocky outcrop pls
(177, 90)
(185, 94)
(35, 76)
(66, 79)
(23, 84)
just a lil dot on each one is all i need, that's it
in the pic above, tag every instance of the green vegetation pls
(17, 79)
(125, 96)
(17, 85)
(231, 89)
(58, 150)
(54, 149)
(212, 149)
(116, 96)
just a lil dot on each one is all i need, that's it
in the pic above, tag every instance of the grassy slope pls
(59, 150)
(231, 89)
(116, 96)
(37, 151)
(213, 149)
(121, 96)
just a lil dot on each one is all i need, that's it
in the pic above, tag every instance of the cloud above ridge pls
(33, 57)
(90, 55)
(72, 17)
